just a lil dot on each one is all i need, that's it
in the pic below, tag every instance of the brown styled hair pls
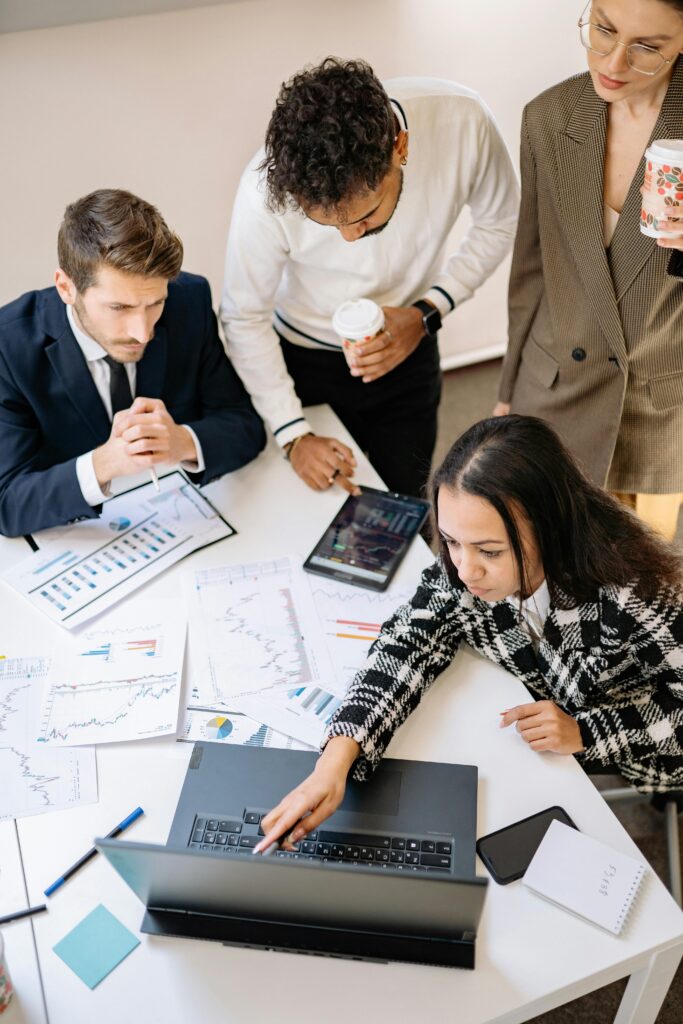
(586, 538)
(116, 229)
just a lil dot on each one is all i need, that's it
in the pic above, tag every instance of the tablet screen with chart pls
(367, 539)
(91, 565)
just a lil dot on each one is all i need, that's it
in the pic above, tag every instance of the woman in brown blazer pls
(595, 307)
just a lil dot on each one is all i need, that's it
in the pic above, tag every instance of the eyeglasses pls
(646, 60)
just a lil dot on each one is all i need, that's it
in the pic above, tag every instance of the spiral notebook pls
(585, 876)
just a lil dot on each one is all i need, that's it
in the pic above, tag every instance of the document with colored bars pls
(91, 565)
(275, 648)
(119, 679)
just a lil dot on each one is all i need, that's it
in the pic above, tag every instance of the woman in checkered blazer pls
(595, 306)
(551, 578)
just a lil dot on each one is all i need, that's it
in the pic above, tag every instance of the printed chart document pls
(280, 645)
(349, 619)
(89, 566)
(36, 778)
(211, 726)
(120, 680)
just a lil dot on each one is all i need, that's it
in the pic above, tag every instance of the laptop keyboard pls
(239, 835)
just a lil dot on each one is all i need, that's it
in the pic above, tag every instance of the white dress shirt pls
(94, 356)
(534, 611)
(286, 271)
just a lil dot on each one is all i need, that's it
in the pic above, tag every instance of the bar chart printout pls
(120, 680)
(92, 565)
(35, 778)
(202, 726)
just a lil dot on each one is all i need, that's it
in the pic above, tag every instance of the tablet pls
(368, 537)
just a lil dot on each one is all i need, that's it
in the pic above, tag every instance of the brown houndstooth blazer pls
(595, 336)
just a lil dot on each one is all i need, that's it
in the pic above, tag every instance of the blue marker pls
(91, 853)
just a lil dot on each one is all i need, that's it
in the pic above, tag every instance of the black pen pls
(23, 913)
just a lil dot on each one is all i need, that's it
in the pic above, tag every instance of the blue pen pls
(91, 853)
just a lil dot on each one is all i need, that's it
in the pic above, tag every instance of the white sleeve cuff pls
(442, 299)
(290, 431)
(194, 465)
(87, 481)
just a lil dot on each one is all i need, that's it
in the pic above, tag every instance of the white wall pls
(172, 105)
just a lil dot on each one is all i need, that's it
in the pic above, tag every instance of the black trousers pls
(392, 419)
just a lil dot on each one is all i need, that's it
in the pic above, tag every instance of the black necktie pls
(119, 387)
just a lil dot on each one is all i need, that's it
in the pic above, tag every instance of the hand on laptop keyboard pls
(314, 800)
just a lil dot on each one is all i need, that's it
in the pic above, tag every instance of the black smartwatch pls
(431, 318)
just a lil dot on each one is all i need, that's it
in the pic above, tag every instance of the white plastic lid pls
(358, 319)
(670, 150)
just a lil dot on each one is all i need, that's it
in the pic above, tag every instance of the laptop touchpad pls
(380, 795)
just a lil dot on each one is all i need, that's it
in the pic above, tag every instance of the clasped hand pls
(544, 726)
(402, 333)
(142, 436)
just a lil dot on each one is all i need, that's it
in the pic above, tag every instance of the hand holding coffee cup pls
(357, 320)
(661, 214)
(371, 356)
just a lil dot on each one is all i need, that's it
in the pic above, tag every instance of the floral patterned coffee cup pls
(6, 989)
(661, 213)
(357, 320)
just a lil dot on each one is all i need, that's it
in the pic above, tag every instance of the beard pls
(110, 345)
(378, 230)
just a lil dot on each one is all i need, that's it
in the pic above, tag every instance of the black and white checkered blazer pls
(615, 665)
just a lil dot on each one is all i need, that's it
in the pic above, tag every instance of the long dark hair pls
(586, 538)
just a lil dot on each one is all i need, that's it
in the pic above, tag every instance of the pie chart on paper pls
(218, 728)
(120, 524)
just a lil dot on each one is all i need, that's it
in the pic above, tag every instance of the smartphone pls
(508, 852)
(368, 537)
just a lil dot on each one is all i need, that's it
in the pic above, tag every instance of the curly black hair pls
(330, 137)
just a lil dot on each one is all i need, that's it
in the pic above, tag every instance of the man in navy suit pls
(116, 369)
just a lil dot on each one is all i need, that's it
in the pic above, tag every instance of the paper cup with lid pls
(358, 320)
(661, 213)
(5, 982)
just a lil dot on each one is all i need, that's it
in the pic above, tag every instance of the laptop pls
(390, 876)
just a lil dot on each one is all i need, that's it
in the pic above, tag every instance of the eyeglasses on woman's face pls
(603, 40)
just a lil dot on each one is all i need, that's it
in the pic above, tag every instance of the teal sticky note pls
(96, 946)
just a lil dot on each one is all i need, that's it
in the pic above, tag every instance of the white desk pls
(531, 956)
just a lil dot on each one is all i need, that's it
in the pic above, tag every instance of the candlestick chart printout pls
(281, 646)
(34, 778)
(91, 565)
(120, 680)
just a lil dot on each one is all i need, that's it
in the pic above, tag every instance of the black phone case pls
(506, 879)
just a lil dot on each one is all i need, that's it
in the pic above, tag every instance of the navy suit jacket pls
(51, 412)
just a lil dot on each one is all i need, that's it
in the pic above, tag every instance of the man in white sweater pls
(388, 168)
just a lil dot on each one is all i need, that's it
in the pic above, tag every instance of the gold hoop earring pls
(404, 161)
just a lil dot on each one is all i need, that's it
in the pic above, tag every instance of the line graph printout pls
(91, 565)
(202, 726)
(256, 625)
(349, 619)
(118, 681)
(36, 778)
